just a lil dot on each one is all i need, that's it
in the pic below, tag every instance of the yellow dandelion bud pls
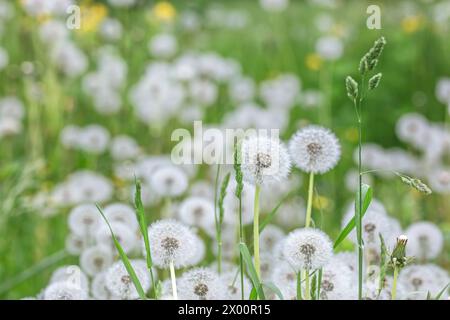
(164, 11)
(92, 16)
(313, 61)
(411, 24)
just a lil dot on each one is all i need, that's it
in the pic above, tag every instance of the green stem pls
(256, 231)
(216, 219)
(310, 199)
(394, 284)
(299, 286)
(358, 215)
(174, 281)
(307, 290)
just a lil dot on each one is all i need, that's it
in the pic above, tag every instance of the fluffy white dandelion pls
(197, 211)
(169, 181)
(64, 290)
(263, 160)
(284, 275)
(233, 285)
(202, 284)
(124, 148)
(269, 237)
(94, 139)
(98, 288)
(84, 219)
(307, 249)
(127, 238)
(95, 259)
(425, 240)
(171, 242)
(439, 179)
(119, 282)
(337, 280)
(374, 222)
(418, 280)
(71, 274)
(121, 212)
(314, 149)
(199, 252)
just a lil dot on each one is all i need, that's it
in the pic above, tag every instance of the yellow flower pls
(321, 202)
(351, 134)
(164, 11)
(91, 16)
(313, 61)
(411, 24)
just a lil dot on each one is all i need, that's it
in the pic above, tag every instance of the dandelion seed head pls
(425, 242)
(169, 181)
(124, 235)
(337, 279)
(307, 249)
(71, 274)
(120, 212)
(171, 241)
(98, 288)
(197, 211)
(84, 219)
(201, 284)
(64, 290)
(270, 237)
(284, 275)
(314, 149)
(119, 282)
(418, 280)
(95, 259)
(233, 284)
(264, 160)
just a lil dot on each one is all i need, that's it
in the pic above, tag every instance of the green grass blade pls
(253, 294)
(142, 222)
(274, 289)
(367, 193)
(140, 212)
(125, 260)
(251, 270)
(438, 297)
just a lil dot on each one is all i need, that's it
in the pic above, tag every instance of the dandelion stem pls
(299, 285)
(394, 284)
(310, 198)
(256, 231)
(307, 290)
(174, 281)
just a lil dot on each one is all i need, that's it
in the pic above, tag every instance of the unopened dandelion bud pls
(375, 81)
(352, 88)
(398, 256)
(420, 186)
